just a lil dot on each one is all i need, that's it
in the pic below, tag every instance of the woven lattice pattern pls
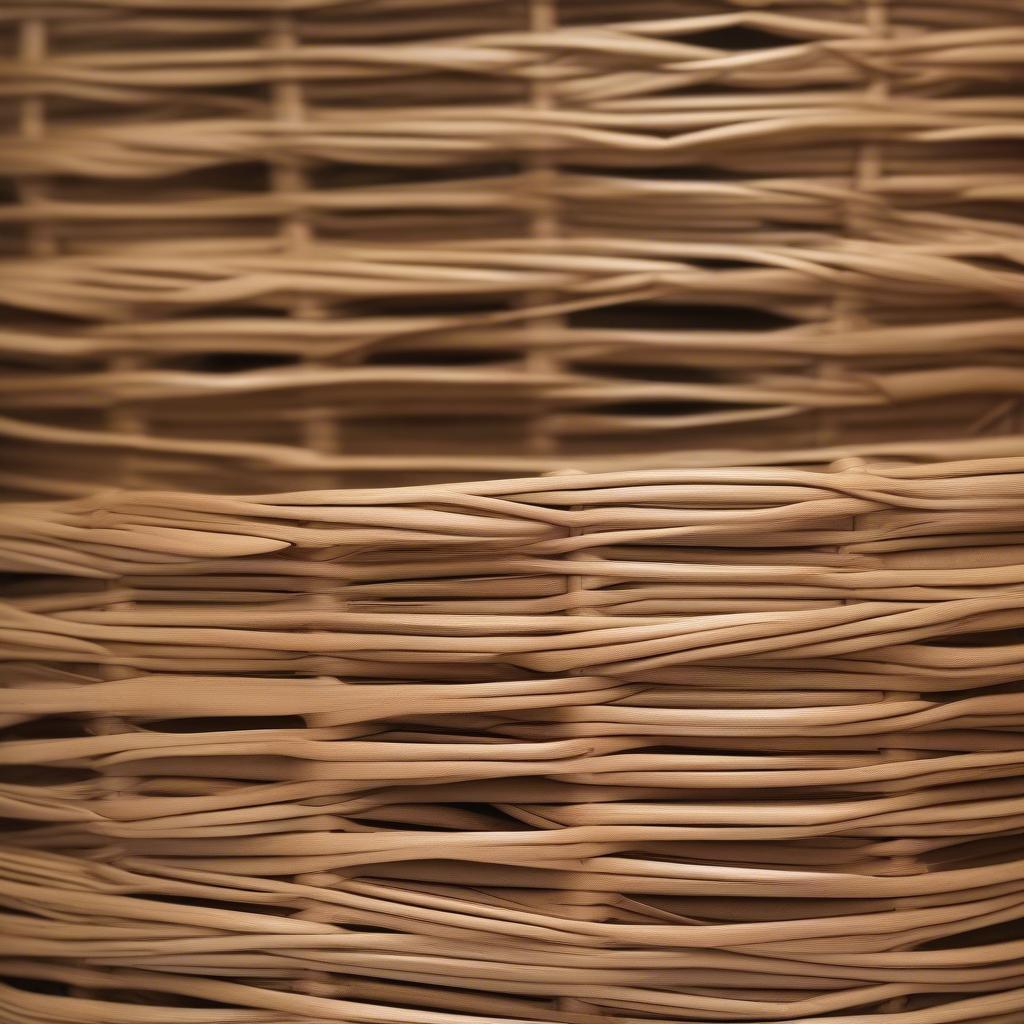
(575, 748)
(287, 244)
(706, 706)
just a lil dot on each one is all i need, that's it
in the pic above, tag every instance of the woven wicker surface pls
(705, 706)
(687, 745)
(272, 245)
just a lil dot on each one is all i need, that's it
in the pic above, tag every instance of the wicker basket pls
(706, 705)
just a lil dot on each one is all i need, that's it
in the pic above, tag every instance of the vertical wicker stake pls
(539, 182)
(320, 430)
(42, 240)
(861, 210)
(43, 243)
(541, 360)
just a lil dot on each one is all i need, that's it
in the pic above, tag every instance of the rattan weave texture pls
(257, 245)
(705, 705)
(691, 745)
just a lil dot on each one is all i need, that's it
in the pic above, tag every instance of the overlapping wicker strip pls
(622, 619)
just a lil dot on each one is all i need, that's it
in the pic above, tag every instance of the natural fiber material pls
(712, 712)
(273, 244)
(676, 745)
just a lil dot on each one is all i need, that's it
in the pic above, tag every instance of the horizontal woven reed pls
(514, 512)
(691, 745)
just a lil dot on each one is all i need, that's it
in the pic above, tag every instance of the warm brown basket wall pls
(673, 745)
(273, 245)
(705, 705)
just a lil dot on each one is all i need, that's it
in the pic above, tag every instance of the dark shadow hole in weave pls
(227, 723)
(230, 100)
(365, 929)
(654, 373)
(1001, 213)
(675, 172)
(384, 823)
(981, 852)
(681, 317)
(440, 357)
(418, 226)
(240, 177)
(489, 810)
(736, 37)
(982, 150)
(13, 827)
(265, 909)
(432, 83)
(29, 585)
(353, 176)
(459, 307)
(234, 362)
(48, 727)
(37, 986)
(659, 409)
(683, 748)
(13, 584)
(985, 638)
(983, 690)
(1005, 931)
(122, 996)
(999, 264)
(719, 263)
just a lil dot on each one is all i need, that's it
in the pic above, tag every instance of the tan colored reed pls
(514, 512)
